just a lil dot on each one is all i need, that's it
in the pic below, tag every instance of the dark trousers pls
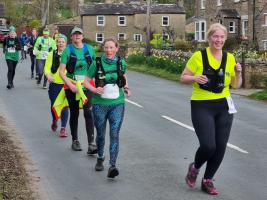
(33, 62)
(54, 90)
(212, 124)
(74, 115)
(40, 68)
(11, 65)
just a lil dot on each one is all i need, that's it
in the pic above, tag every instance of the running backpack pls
(121, 81)
(215, 82)
(71, 64)
(55, 62)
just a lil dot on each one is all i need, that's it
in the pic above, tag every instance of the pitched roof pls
(129, 9)
(228, 13)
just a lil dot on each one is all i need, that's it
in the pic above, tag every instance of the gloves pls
(39, 47)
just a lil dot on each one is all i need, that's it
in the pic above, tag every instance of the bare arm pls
(86, 84)
(236, 81)
(188, 77)
(126, 87)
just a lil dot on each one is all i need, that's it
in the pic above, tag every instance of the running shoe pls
(99, 164)
(208, 187)
(63, 132)
(92, 149)
(76, 146)
(54, 126)
(112, 172)
(191, 176)
(8, 86)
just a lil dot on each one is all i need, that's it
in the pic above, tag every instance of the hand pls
(202, 79)
(127, 91)
(73, 88)
(238, 68)
(50, 78)
(99, 90)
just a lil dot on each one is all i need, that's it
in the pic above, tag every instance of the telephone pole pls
(148, 11)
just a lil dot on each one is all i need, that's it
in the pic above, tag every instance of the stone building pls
(243, 19)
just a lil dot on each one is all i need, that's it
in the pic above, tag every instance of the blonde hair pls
(215, 27)
(111, 39)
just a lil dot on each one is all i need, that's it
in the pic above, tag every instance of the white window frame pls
(98, 20)
(264, 19)
(244, 30)
(236, 1)
(96, 37)
(231, 26)
(199, 32)
(138, 35)
(220, 21)
(202, 4)
(124, 36)
(219, 2)
(168, 22)
(119, 21)
(264, 44)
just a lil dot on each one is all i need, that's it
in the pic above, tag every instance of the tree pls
(148, 27)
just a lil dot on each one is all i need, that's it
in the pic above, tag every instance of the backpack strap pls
(224, 59)
(205, 60)
(71, 48)
(86, 54)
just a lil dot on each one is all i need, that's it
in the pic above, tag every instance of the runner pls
(31, 42)
(23, 41)
(76, 59)
(108, 101)
(211, 104)
(11, 48)
(43, 45)
(56, 86)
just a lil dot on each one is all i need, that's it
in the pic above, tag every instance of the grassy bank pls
(262, 95)
(154, 71)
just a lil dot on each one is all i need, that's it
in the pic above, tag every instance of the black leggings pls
(74, 115)
(212, 124)
(11, 65)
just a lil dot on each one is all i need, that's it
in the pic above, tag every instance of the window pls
(165, 21)
(138, 37)
(264, 44)
(121, 36)
(202, 4)
(121, 20)
(245, 28)
(265, 19)
(232, 27)
(200, 31)
(220, 21)
(100, 20)
(99, 37)
(165, 36)
(219, 2)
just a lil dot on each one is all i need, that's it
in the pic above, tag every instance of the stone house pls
(127, 21)
(242, 18)
(2, 16)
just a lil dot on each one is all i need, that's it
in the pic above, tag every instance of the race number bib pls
(79, 77)
(44, 55)
(111, 91)
(231, 105)
(25, 48)
(11, 50)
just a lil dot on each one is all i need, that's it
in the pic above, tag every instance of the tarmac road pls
(157, 144)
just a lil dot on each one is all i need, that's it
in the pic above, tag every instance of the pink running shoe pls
(208, 187)
(191, 176)
(63, 133)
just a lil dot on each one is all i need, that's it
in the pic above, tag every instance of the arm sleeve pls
(65, 56)
(192, 63)
(92, 70)
(48, 63)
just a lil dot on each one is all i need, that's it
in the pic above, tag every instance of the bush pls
(138, 58)
(256, 80)
(182, 45)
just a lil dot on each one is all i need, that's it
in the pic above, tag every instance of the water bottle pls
(101, 78)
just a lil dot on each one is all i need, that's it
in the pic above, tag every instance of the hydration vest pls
(121, 81)
(215, 82)
(42, 44)
(55, 62)
(71, 64)
(15, 42)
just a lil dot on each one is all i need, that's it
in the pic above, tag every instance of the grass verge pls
(154, 71)
(262, 95)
